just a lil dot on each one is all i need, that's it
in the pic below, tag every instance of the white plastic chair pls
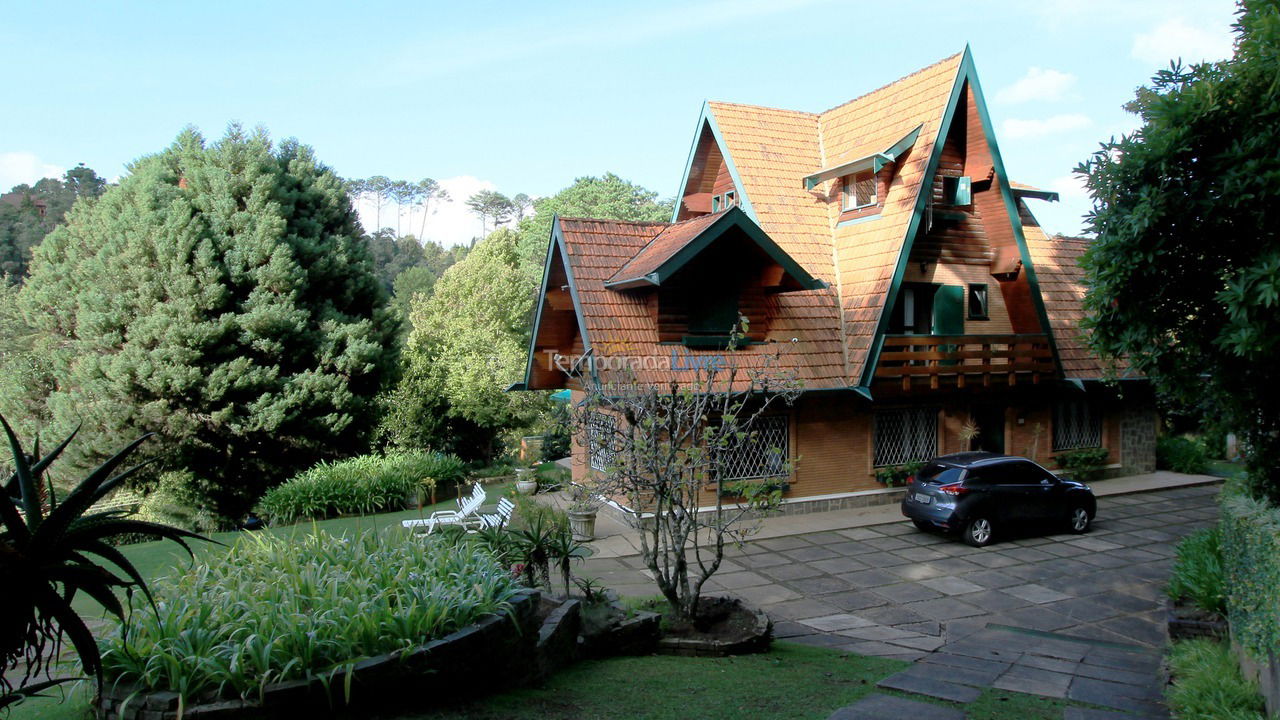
(464, 515)
(500, 518)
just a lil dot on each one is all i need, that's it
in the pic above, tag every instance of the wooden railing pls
(964, 359)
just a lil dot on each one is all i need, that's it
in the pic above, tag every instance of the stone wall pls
(1139, 424)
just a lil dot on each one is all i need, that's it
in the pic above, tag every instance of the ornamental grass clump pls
(273, 610)
(364, 484)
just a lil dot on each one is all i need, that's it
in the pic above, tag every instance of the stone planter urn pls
(526, 481)
(583, 523)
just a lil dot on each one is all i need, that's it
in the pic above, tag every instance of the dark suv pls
(978, 493)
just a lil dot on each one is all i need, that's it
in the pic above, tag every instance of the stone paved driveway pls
(1063, 615)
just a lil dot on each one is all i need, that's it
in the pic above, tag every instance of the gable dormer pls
(701, 275)
(710, 184)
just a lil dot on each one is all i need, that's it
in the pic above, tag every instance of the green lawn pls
(792, 681)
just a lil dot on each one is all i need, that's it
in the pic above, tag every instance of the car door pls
(993, 496)
(1038, 488)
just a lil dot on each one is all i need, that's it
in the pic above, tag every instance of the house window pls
(730, 199)
(957, 191)
(716, 203)
(1076, 424)
(859, 190)
(600, 431)
(978, 301)
(763, 455)
(905, 435)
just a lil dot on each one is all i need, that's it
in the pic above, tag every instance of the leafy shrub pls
(1084, 465)
(1251, 559)
(173, 502)
(1197, 571)
(558, 437)
(365, 484)
(897, 475)
(1181, 454)
(273, 609)
(1207, 683)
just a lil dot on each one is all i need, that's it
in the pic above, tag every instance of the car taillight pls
(954, 489)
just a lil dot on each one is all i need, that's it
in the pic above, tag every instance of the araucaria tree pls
(1185, 273)
(221, 297)
(673, 450)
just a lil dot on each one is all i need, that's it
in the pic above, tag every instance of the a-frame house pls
(882, 252)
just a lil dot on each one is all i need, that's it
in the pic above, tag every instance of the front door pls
(990, 422)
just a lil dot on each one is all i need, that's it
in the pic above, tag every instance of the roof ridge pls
(611, 220)
(760, 107)
(892, 83)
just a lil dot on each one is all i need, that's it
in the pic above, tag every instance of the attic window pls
(723, 202)
(957, 191)
(859, 191)
(730, 199)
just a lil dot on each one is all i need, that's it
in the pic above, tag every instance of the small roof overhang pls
(1026, 191)
(872, 162)
(672, 249)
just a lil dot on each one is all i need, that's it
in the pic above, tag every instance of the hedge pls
(365, 484)
(1251, 556)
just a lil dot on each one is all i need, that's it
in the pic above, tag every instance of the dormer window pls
(723, 202)
(859, 191)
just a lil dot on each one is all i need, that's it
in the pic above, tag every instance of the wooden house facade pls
(880, 251)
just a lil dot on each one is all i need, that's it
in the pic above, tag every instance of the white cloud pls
(448, 223)
(1070, 188)
(17, 168)
(1015, 128)
(1038, 84)
(1176, 38)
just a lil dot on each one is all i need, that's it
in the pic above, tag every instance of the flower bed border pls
(496, 646)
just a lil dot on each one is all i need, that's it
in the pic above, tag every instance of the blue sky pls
(524, 97)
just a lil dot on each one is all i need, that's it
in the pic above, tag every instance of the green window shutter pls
(948, 310)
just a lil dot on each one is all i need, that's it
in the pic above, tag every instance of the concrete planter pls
(583, 524)
(758, 640)
(526, 481)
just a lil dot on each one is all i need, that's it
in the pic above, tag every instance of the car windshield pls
(940, 474)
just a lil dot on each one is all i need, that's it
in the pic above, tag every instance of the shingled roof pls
(619, 323)
(769, 153)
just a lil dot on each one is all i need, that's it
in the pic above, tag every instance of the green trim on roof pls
(707, 121)
(1011, 206)
(965, 72)
(874, 161)
(1048, 195)
(555, 241)
(734, 217)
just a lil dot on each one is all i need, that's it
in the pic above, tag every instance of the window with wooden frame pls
(730, 199)
(717, 202)
(978, 302)
(859, 191)
(1077, 424)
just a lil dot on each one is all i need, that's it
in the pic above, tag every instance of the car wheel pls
(922, 525)
(978, 532)
(1080, 521)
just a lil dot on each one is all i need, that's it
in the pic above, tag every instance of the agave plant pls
(45, 562)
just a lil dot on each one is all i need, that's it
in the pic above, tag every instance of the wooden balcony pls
(965, 360)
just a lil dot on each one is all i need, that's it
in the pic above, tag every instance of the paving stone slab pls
(811, 553)
(996, 601)
(801, 609)
(839, 565)
(819, 586)
(833, 623)
(792, 571)
(890, 707)
(1034, 681)
(782, 543)
(1116, 695)
(928, 643)
(991, 579)
(944, 609)
(735, 580)
(906, 592)
(854, 599)
(951, 586)
(877, 648)
(878, 632)
(1038, 594)
(787, 629)
(860, 533)
(1079, 713)
(964, 669)
(913, 681)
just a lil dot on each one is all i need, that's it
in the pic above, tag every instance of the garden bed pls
(1187, 621)
(726, 627)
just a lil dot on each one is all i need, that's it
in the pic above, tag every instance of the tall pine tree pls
(221, 297)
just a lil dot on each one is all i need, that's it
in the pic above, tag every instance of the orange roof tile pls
(618, 323)
(667, 243)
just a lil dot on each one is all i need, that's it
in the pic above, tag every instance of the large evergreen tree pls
(221, 297)
(1185, 274)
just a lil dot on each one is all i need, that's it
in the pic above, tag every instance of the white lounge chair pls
(500, 518)
(465, 515)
